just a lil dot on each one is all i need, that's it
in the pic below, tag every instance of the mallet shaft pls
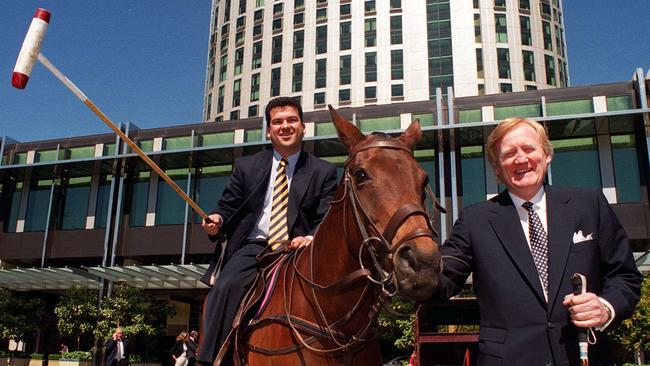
(70, 85)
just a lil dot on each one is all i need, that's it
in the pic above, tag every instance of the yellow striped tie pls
(278, 230)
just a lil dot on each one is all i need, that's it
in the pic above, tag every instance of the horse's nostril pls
(406, 258)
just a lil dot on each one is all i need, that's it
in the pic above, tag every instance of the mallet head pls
(30, 49)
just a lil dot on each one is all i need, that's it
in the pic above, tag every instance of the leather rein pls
(378, 246)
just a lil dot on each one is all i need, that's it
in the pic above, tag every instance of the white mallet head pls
(31, 48)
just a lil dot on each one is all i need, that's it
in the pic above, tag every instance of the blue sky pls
(144, 61)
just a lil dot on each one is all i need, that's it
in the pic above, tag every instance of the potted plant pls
(76, 358)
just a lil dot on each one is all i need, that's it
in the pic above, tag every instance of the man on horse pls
(276, 196)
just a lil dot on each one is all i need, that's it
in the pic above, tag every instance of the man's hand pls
(299, 242)
(586, 310)
(213, 227)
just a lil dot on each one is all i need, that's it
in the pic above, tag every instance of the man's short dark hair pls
(282, 102)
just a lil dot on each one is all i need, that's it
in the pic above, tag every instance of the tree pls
(78, 313)
(21, 315)
(634, 333)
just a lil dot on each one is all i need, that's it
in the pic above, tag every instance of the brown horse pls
(375, 241)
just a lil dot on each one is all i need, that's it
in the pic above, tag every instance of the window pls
(277, 24)
(242, 6)
(296, 83)
(259, 3)
(257, 55)
(526, 38)
(503, 61)
(257, 30)
(626, 168)
(241, 22)
(208, 108)
(275, 82)
(346, 70)
(321, 39)
(575, 162)
(397, 91)
(298, 4)
(211, 76)
(298, 43)
(319, 99)
(345, 39)
(258, 16)
(103, 193)
(369, 6)
(321, 73)
(321, 15)
(139, 198)
(472, 172)
(505, 87)
(252, 111)
(397, 64)
(371, 66)
(396, 29)
(236, 93)
(370, 92)
(239, 38)
(545, 8)
(479, 63)
(501, 27)
(549, 63)
(169, 209)
(477, 28)
(395, 4)
(558, 40)
(277, 10)
(255, 88)
(234, 115)
(239, 60)
(344, 96)
(299, 19)
(499, 3)
(223, 68)
(529, 65)
(524, 5)
(371, 32)
(75, 203)
(345, 10)
(548, 38)
(220, 99)
(226, 11)
(276, 49)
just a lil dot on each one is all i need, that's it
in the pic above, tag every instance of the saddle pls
(255, 301)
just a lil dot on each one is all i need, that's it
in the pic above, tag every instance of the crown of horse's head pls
(389, 186)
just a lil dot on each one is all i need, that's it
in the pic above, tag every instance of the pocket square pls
(578, 237)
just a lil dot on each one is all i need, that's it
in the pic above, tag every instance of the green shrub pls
(37, 356)
(54, 356)
(135, 358)
(77, 355)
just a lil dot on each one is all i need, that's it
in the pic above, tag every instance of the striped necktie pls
(278, 230)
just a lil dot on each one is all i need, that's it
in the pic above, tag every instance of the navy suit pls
(111, 352)
(518, 326)
(312, 187)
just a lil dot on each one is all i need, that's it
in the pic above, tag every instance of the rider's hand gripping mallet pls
(579, 284)
(30, 52)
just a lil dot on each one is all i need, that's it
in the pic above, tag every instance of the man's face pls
(522, 161)
(285, 130)
(119, 334)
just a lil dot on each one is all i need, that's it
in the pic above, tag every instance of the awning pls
(28, 279)
(172, 276)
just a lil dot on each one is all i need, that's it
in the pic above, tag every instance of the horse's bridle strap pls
(399, 217)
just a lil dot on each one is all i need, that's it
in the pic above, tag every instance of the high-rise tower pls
(356, 53)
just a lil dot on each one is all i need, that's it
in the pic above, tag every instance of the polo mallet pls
(30, 52)
(579, 284)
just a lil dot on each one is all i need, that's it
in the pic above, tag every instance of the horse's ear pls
(412, 135)
(348, 133)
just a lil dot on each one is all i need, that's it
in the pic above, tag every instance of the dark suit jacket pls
(191, 349)
(312, 186)
(111, 351)
(518, 326)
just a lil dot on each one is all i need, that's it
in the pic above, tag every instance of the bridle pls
(378, 247)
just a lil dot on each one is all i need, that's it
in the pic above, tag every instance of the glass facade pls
(439, 46)
(75, 203)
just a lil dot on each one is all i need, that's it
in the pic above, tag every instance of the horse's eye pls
(360, 175)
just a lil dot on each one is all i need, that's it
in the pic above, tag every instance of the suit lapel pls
(299, 183)
(560, 224)
(505, 223)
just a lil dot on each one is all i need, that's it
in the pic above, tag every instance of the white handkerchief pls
(579, 237)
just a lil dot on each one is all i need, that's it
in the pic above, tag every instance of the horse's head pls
(386, 187)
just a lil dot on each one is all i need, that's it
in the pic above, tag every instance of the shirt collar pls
(292, 159)
(538, 200)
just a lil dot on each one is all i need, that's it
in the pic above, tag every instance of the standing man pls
(191, 348)
(277, 195)
(117, 353)
(524, 245)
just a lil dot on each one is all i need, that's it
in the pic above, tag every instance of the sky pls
(144, 61)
